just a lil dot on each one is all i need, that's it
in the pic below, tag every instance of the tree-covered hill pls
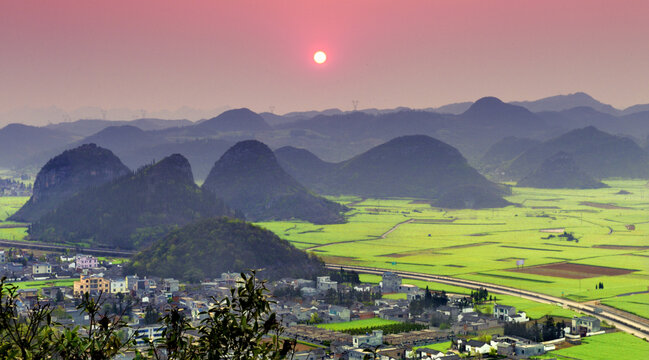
(131, 211)
(209, 247)
(597, 153)
(416, 166)
(248, 178)
(68, 173)
(560, 172)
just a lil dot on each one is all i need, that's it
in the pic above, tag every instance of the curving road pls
(622, 322)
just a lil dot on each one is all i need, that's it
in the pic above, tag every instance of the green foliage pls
(347, 297)
(236, 328)
(388, 329)
(430, 300)
(212, 246)
(373, 323)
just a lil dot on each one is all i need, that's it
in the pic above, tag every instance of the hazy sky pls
(159, 54)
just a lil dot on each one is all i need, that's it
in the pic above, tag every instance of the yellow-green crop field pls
(485, 244)
(617, 345)
(11, 230)
(357, 324)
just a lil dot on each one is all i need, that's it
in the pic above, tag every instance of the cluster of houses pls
(10, 187)
(19, 265)
(133, 297)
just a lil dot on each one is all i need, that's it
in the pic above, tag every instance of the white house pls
(41, 268)
(151, 333)
(476, 347)
(118, 286)
(324, 283)
(373, 339)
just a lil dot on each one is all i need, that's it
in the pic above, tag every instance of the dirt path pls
(383, 236)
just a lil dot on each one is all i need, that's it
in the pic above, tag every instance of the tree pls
(59, 296)
(151, 316)
(23, 337)
(234, 329)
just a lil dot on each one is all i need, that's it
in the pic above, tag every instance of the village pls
(407, 326)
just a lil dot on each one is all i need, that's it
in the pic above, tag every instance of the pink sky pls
(159, 54)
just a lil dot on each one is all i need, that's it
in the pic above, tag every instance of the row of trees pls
(343, 276)
(430, 300)
(387, 329)
(347, 297)
(233, 329)
(549, 330)
(479, 296)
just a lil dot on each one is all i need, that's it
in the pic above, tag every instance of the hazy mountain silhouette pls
(560, 171)
(131, 211)
(225, 245)
(565, 102)
(68, 173)
(492, 113)
(249, 178)
(87, 127)
(201, 154)
(506, 149)
(303, 165)
(20, 142)
(597, 153)
(231, 120)
(123, 138)
(415, 166)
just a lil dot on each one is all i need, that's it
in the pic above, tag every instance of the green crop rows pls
(485, 244)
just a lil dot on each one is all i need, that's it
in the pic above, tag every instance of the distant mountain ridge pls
(599, 154)
(333, 134)
(249, 178)
(565, 102)
(20, 142)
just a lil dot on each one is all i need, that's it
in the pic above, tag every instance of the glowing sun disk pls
(320, 57)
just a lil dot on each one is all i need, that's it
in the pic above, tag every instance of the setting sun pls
(320, 57)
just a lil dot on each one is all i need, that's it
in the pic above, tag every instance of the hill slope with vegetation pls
(209, 247)
(597, 153)
(249, 178)
(560, 172)
(68, 173)
(416, 166)
(133, 210)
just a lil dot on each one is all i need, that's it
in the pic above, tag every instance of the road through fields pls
(620, 319)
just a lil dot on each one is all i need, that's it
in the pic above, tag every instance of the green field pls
(617, 345)
(357, 324)
(442, 346)
(485, 244)
(396, 296)
(11, 230)
(636, 304)
(44, 283)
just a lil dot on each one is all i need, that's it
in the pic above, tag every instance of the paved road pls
(622, 320)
